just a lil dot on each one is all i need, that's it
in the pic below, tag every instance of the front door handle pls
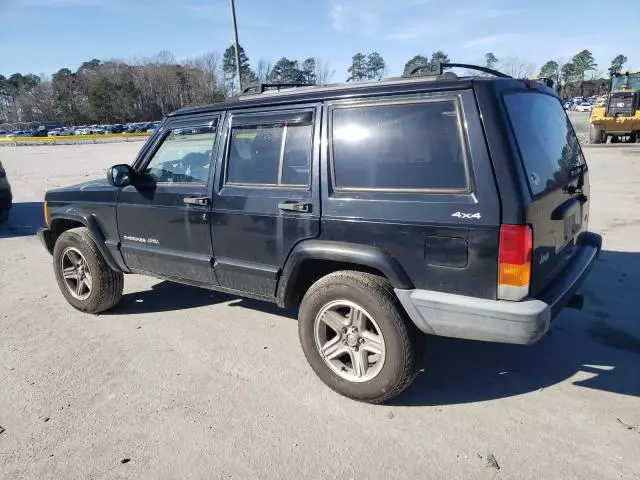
(197, 200)
(294, 206)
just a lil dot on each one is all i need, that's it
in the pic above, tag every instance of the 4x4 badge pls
(466, 215)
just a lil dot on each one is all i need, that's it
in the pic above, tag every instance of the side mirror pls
(120, 175)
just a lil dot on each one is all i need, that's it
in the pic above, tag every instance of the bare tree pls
(516, 67)
(595, 74)
(324, 72)
(263, 69)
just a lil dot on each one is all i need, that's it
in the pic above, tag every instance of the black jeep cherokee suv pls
(430, 204)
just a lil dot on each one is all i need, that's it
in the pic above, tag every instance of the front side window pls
(403, 146)
(185, 155)
(270, 154)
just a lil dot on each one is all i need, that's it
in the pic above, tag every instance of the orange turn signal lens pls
(514, 275)
(46, 213)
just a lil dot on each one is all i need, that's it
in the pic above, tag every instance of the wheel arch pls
(61, 223)
(311, 260)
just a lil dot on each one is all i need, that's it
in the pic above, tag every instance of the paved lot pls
(187, 383)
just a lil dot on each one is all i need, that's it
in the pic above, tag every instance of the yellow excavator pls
(619, 117)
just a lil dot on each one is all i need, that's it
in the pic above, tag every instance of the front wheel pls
(84, 278)
(357, 338)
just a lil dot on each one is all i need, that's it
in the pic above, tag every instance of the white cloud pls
(479, 13)
(445, 21)
(337, 15)
(489, 40)
(367, 16)
(418, 30)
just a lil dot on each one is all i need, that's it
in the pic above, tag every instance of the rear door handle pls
(294, 206)
(197, 200)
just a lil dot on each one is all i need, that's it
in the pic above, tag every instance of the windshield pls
(633, 81)
(548, 146)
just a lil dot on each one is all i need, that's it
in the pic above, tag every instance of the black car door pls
(164, 218)
(267, 197)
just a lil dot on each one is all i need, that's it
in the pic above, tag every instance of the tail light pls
(514, 261)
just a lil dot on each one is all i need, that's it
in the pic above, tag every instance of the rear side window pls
(399, 147)
(270, 154)
(548, 146)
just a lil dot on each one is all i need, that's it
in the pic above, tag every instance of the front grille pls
(622, 105)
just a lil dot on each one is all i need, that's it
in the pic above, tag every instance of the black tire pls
(107, 284)
(595, 135)
(402, 340)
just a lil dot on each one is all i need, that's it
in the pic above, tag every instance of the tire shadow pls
(602, 341)
(168, 296)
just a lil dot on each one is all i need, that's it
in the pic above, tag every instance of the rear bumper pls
(522, 322)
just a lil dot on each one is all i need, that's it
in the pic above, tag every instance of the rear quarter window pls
(404, 146)
(548, 146)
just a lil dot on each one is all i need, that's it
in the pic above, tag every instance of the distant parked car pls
(60, 132)
(584, 107)
(5, 195)
(117, 128)
(83, 131)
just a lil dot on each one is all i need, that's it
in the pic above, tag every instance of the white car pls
(584, 107)
(83, 131)
(59, 132)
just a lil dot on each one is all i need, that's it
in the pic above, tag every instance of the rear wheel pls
(84, 278)
(595, 134)
(632, 138)
(357, 338)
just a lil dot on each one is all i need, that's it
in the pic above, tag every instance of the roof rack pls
(437, 68)
(263, 87)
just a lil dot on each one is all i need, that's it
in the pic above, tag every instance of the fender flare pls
(90, 222)
(363, 255)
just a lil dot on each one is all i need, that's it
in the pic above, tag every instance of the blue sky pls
(42, 36)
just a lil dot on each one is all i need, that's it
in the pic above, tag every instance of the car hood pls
(89, 191)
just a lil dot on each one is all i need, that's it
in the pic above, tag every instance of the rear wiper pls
(579, 169)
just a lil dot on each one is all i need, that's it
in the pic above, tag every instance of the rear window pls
(548, 146)
(399, 147)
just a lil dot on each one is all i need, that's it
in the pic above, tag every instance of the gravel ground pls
(179, 382)
(580, 121)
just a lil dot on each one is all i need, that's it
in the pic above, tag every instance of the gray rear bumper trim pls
(458, 316)
(522, 322)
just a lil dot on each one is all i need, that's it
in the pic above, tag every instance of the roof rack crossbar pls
(263, 87)
(437, 68)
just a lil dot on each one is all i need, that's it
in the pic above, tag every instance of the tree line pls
(115, 91)
(581, 74)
